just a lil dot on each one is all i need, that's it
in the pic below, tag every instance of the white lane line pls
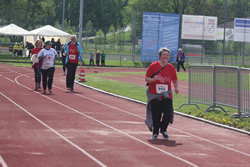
(9, 79)
(138, 78)
(209, 141)
(145, 81)
(102, 123)
(2, 162)
(57, 133)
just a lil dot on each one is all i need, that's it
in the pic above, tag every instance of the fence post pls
(120, 60)
(239, 92)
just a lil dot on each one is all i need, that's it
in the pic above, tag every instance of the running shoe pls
(50, 91)
(165, 135)
(44, 91)
(154, 136)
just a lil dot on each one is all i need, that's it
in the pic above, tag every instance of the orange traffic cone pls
(82, 76)
(96, 69)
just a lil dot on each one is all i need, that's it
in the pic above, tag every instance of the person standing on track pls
(180, 60)
(159, 105)
(48, 57)
(73, 52)
(37, 63)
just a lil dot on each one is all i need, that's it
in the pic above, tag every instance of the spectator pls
(53, 43)
(103, 55)
(42, 38)
(73, 52)
(58, 47)
(97, 58)
(29, 46)
(91, 58)
(48, 57)
(180, 60)
(37, 63)
(20, 51)
(63, 58)
(15, 49)
(159, 105)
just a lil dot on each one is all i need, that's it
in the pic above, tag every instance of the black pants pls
(37, 76)
(91, 62)
(63, 62)
(161, 112)
(97, 62)
(20, 53)
(71, 72)
(103, 62)
(180, 63)
(48, 77)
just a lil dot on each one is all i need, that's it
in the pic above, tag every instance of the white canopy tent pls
(14, 30)
(48, 32)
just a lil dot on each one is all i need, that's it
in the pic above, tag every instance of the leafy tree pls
(112, 34)
(27, 13)
(99, 37)
(69, 30)
(89, 28)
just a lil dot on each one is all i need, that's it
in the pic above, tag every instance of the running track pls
(88, 128)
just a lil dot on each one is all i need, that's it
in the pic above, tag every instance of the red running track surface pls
(88, 128)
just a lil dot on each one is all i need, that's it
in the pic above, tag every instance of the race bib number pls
(72, 57)
(160, 88)
(47, 63)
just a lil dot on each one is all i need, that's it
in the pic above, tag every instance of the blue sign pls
(159, 30)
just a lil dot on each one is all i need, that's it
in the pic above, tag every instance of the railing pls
(220, 85)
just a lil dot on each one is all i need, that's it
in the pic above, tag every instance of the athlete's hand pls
(155, 78)
(177, 91)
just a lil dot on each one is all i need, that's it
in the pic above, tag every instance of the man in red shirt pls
(180, 59)
(73, 52)
(160, 93)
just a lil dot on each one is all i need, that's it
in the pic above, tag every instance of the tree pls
(89, 28)
(112, 34)
(99, 38)
(69, 30)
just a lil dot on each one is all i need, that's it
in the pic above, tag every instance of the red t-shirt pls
(167, 75)
(73, 55)
(36, 51)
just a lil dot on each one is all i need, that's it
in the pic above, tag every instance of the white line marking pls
(2, 162)
(57, 133)
(9, 79)
(145, 82)
(138, 78)
(165, 152)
